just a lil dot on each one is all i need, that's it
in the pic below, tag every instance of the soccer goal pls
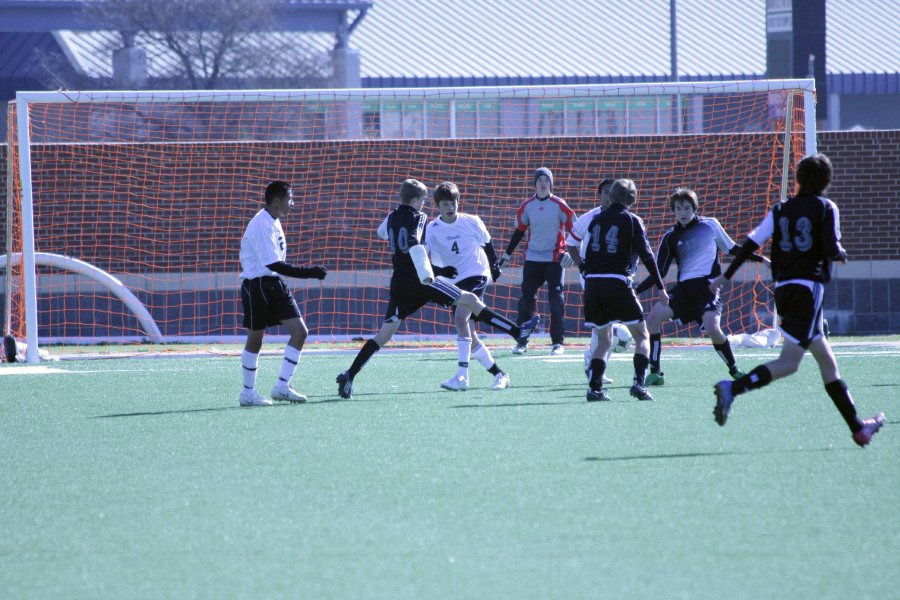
(154, 189)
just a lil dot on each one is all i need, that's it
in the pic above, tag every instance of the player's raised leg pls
(483, 314)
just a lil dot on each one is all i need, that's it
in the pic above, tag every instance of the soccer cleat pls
(724, 398)
(869, 428)
(457, 383)
(640, 392)
(597, 396)
(345, 385)
(253, 398)
(528, 327)
(287, 394)
(557, 349)
(501, 381)
(656, 379)
(735, 373)
(520, 347)
(606, 379)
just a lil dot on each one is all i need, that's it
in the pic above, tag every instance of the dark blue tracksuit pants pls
(534, 275)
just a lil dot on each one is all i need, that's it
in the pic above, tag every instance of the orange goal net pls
(129, 207)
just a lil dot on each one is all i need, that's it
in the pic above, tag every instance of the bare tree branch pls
(215, 41)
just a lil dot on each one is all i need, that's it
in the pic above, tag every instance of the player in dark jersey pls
(806, 239)
(616, 240)
(404, 229)
(693, 244)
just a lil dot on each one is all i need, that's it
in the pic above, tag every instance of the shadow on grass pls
(188, 411)
(507, 405)
(702, 454)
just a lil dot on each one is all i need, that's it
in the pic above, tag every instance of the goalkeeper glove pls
(448, 272)
(504, 260)
(566, 261)
(316, 272)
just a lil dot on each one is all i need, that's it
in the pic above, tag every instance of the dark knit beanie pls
(544, 171)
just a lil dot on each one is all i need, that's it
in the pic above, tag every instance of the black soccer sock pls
(365, 353)
(598, 367)
(494, 370)
(655, 348)
(840, 395)
(755, 379)
(640, 368)
(725, 353)
(497, 322)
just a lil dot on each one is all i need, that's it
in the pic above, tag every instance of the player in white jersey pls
(461, 241)
(265, 296)
(575, 246)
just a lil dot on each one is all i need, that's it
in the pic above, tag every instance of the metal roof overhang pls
(863, 83)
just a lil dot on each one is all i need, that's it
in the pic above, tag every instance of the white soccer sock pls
(483, 355)
(288, 365)
(463, 351)
(595, 339)
(249, 364)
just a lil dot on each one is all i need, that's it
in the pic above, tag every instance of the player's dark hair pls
(623, 191)
(684, 195)
(411, 189)
(604, 183)
(814, 174)
(276, 190)
(446, 191)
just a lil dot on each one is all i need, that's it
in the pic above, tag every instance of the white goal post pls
(370, 116)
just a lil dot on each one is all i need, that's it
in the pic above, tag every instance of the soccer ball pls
(621, 338)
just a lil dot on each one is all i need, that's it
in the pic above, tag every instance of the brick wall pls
(867, 172)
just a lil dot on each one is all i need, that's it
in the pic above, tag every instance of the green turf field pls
(142, 478)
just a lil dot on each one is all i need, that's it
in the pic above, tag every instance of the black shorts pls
(267, 302)
(691, 299)
(477, 285)
(609, 300)
(800, 312)
(408, 296)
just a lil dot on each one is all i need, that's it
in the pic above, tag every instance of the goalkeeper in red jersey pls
(413, 284)
(265, 296)
(546, 218)
(806, 238)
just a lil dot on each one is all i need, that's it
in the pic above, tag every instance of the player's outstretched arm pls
(289, 270)
(741, 256)
(758, 258)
